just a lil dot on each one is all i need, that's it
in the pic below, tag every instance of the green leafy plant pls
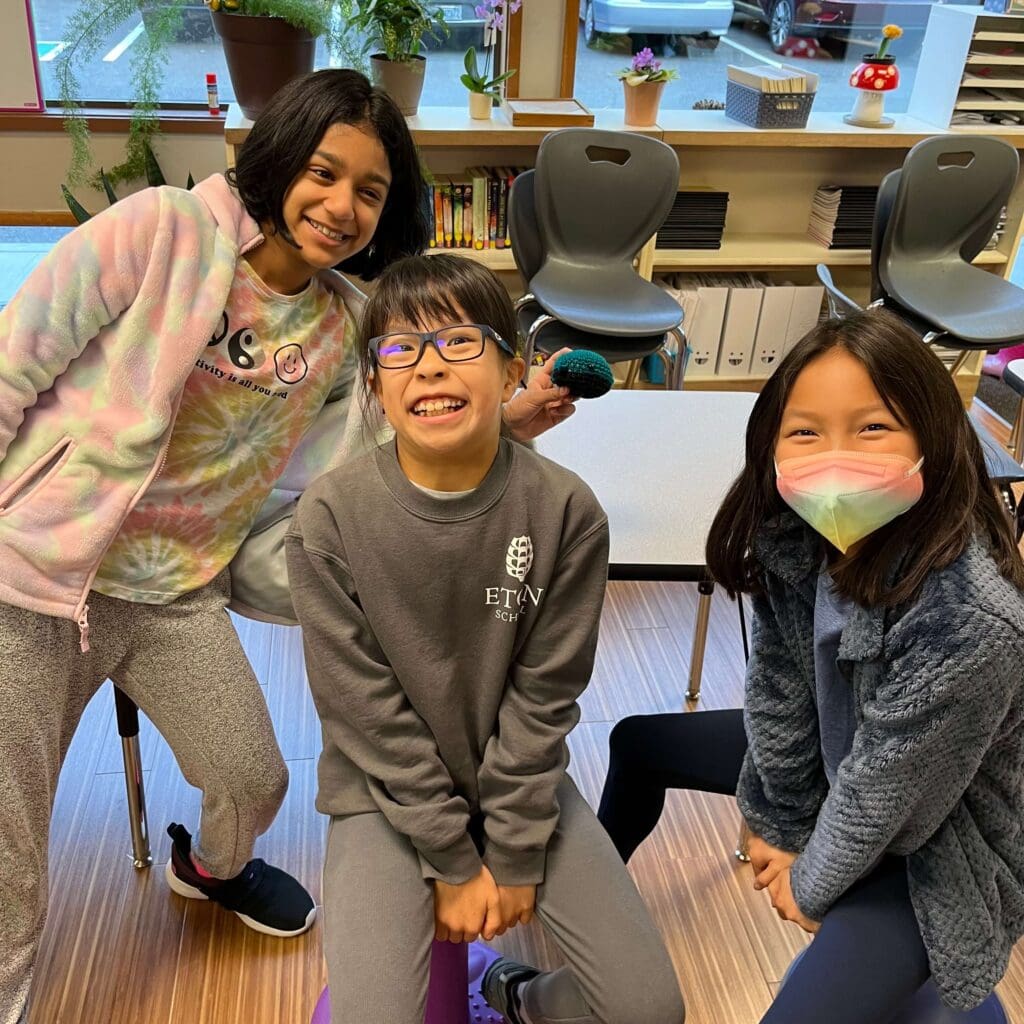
(474, 81)
(89, 27)
(395, 27)
(154, 176)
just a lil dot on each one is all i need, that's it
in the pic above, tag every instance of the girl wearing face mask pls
(879, 758)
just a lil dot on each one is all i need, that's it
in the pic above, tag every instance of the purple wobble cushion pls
(445, 971)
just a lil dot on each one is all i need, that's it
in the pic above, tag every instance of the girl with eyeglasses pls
(879, 756)
(158, 372)
(449, 586)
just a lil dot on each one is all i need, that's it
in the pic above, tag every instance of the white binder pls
(740, 329)
(805, 312)
(772, 328)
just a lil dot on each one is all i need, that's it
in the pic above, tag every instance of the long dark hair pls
(422, 288)
(287, 132)
(958, 502)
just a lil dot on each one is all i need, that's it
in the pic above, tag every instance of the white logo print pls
(519, 557)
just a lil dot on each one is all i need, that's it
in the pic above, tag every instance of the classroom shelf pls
(759, 251)
(494, 259)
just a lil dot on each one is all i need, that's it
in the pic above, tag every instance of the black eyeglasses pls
(456, 344)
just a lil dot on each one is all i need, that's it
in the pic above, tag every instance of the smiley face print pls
(290, 364)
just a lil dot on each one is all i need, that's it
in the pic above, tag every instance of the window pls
(700, 37)
(197, 51)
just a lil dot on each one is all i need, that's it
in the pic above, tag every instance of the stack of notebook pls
(841, 216)
(696, 221)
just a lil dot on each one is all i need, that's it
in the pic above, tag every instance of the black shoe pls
(266, 898)
(499, 984)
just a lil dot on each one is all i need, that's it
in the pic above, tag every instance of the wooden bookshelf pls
(771, 178)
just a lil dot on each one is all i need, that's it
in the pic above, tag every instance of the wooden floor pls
(119, 948)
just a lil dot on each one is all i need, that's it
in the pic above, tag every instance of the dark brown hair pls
(959, 501)
(421, 288)
(286, 134)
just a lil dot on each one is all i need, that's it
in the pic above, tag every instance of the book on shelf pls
(470, 211)
(773, 79)
(695, 221)
(842, 216)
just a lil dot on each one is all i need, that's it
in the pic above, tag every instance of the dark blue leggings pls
(868, 958)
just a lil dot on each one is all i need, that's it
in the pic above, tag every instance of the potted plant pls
(90, 26)
(876, 75)
(484, 90)
(644, 81)
(396, 29)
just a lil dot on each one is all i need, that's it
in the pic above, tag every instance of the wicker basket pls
(767, 109)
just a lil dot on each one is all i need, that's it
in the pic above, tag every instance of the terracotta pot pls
(642, 102)
(263, 54)
(401, 80)
(480, 106)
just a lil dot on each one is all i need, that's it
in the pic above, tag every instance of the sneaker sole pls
(190, 892)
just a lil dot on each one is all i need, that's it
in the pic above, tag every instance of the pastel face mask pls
(847, 495)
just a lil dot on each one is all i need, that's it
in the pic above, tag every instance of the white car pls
(708, 18)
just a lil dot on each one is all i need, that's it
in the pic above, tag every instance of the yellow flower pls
(892, 32)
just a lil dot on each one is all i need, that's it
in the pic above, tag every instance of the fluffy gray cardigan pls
(936, 771)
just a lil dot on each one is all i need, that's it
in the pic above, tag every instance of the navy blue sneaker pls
(266, 898)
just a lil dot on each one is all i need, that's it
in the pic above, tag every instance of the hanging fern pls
(90, 26)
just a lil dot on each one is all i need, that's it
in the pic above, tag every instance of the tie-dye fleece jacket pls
(95, 349)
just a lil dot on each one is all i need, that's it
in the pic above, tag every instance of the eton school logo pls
(519, 557)
(510, 602)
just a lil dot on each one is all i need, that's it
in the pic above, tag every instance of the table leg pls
(700, 638)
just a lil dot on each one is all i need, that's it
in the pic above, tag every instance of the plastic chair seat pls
(994, 314)
(1013, 375)
(1001, 466)
(611, 300)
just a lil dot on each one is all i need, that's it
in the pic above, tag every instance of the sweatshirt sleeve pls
(782, 782)
(84, 283)
(919, 745)
(365, 711)
(525, 758)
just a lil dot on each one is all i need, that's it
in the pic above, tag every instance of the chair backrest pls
(600, 195)
(879, 225)
(527, 250)
(948, 199)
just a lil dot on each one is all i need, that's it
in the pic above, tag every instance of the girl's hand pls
(516, 907)
(540, 406)
(766, 860)
(461, 912)
(785, 905)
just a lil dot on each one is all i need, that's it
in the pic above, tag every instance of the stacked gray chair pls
(577, 223)
(932, 218)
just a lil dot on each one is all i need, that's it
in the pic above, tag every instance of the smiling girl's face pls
(834, 406)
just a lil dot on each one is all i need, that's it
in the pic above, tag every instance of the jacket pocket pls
(37, 476)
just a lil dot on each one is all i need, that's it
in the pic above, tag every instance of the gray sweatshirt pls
(446, 645)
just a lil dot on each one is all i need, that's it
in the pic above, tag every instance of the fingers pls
(441, 932)
(526, 916)
(768, 875)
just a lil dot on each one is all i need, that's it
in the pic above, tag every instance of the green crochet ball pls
(586, 374)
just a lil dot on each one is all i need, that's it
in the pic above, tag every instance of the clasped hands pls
(771, 871)
(480, 907)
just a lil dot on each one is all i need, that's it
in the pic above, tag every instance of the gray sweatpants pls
(183, 665)
(379, 924)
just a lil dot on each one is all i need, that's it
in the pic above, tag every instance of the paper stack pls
(696, 220)
(773, 78)
(842, 215)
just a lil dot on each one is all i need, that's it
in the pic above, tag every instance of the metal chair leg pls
(631, 374)
(742, 842)
(128, 728)
(682, 357)
(531, 340)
